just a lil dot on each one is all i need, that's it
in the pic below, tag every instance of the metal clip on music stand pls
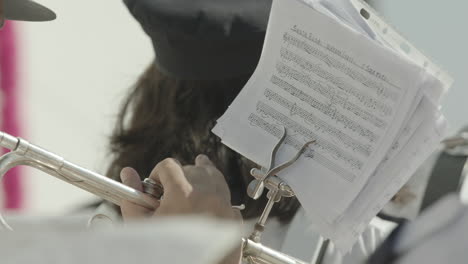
(277, 188)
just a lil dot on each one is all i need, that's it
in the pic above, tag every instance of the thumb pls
(203, 161)
(130, 210)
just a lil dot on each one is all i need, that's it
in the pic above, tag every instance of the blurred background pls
(72, 74)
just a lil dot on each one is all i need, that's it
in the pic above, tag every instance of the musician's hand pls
(195, 189)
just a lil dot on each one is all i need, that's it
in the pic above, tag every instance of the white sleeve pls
(367, 243)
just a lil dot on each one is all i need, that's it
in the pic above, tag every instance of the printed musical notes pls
(318, 124)
(368, 101)
(331, 109)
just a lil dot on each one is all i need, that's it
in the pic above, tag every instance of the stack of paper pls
(368, 98)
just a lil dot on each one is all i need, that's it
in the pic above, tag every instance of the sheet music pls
(321, 88)
(418, 140)
(323, 80)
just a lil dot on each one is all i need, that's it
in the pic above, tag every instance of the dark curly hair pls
(165, 117)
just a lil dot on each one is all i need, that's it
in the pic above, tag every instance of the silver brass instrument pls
(24, 153)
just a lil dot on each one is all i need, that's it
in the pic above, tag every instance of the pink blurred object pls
(12, 182)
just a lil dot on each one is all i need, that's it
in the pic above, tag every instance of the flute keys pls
(153, 188)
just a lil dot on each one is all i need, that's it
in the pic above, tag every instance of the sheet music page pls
(418, 140)
(425, 125)
(323, 81)
(194, 240)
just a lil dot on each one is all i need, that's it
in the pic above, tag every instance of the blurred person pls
(205, 51)
(184, 195)
(203, 59)
(174, 105)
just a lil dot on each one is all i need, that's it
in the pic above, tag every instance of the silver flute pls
(24, 153)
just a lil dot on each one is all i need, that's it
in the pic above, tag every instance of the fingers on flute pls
(129, 210)
(170, 174)
(131, 178)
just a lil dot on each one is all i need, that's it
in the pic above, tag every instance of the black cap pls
(26, 10)
(204, 39)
